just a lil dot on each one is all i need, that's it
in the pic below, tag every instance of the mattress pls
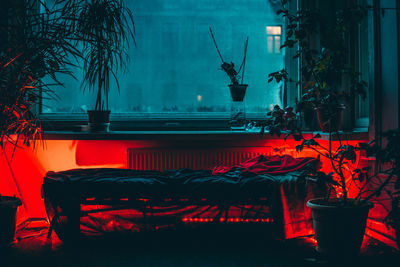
(102, 201)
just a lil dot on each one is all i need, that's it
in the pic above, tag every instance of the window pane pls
(175, 68)
(270, 43)
(274, 30)
(277, 44)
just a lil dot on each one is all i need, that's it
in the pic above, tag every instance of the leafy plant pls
(229, 68)
(279, 120)
(104, 28)
(35, 48)
(324, 69)
(369, 185)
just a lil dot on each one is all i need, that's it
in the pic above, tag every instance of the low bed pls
(263, 194)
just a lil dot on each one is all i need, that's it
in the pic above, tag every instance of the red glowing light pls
(233, 220)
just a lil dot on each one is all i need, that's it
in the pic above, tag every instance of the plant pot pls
(339, 230)
(99, 120)
(330, 117)
(8, 213)
(238, 91)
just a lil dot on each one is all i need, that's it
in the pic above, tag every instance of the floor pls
(33, 249)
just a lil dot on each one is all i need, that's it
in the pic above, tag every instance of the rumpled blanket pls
(294, 191)
(269, 165)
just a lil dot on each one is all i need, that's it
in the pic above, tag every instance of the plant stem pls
(244, 59)
(379, 189)
(339, 172)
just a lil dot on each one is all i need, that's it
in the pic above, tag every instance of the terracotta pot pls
(339, 230)
(8, 212)
(330, 117)
(99, 120)
(238, 91)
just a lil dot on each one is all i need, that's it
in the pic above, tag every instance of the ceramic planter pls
(99, 120)
(330, 117)
(339, 230)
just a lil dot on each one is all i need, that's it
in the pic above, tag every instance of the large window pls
(175, 69)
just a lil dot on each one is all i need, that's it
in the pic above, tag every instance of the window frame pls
(181, 121)
(274, 36)
(157, 121)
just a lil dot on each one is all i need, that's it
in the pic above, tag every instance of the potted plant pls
(328, 80)
(237, 90)
(339, 219)
(339, 222)
(104, 28)
(34, 46)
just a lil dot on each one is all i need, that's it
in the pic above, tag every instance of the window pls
(175, 70)
(274, 39)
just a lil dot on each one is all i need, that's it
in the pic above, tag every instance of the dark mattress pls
(123, 199)
(184, 183)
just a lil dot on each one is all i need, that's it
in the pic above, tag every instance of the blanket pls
(270, 165)
(294, 190)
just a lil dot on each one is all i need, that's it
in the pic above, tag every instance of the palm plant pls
(105, 27)
(36, 46)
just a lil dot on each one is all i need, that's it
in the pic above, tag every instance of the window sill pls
(187, 135)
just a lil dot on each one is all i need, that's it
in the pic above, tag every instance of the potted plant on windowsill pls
(104, 28)
(339, 219)
(328, 80)
(33, 46)
(237, 90)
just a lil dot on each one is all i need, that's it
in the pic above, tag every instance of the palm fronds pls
(106, 28)
(37, 42)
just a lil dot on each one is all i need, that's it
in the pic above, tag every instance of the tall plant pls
(322, 44)
(343, 173)
(105, 28)
(37, 43)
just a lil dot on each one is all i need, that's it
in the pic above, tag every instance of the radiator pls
(196, 158)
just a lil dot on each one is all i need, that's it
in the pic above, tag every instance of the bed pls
(263, 194)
